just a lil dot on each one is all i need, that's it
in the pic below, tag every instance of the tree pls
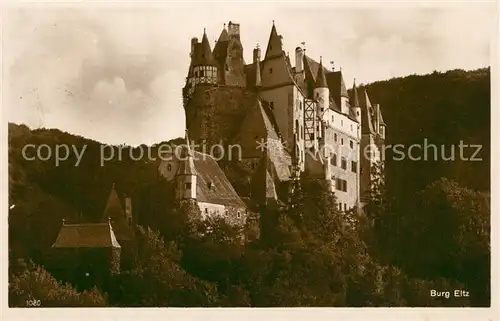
(31, 284)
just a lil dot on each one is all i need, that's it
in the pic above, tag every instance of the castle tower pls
(203, 67)
(321, 91)
(186, 176)
(322, 97)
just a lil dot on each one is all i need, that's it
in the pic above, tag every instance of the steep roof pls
(274, 45)
(202, 55)
(86, 236)
(366, 109)
(354, 96)
(320, 76)
(220, 190)
(336, 85)
(263, 188)
(115, 212)
(187, 164)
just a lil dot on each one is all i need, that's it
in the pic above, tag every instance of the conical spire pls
(274, 46)
(354, 98)
(205, 54)
(187, 163)
(320, 76)
(366, 118)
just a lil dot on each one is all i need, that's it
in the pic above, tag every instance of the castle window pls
(357, 113)
(341, 122)
(253, 166)
(342, 141)
(169, 167)
(340, 206)
(201, 73)
(311, 136)
(354, 166)
(188, 185)
(333, 119)
(334, 160)
(196, 74)
(343, 163)
(210, 185)
(270, 70)
(206, 210)
(344, 185)
(351, 144)
(345, 207)
(335, 137)
(227, 67)
(238, 214)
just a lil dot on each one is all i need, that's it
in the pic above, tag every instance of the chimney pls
(256, 61)
(299, 67)
(194, 41)
(299, 58)
(256, 54)
(233, 30)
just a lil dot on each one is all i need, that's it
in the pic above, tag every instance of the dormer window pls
(169, 167)
(210, 185)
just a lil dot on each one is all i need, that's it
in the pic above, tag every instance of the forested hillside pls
(426, 227)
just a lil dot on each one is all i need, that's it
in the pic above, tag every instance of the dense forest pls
(425, 227)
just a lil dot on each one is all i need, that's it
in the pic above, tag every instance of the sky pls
(114, 73)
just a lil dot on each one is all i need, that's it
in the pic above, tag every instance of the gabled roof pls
(258, 126)
(220, 190)
(212, 185)
(115, 212)
(98, 235)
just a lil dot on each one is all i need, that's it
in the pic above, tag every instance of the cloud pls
(116, 75)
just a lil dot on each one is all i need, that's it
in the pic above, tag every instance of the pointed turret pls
(205, 55)
(320, 76)
(115, 215)
(355, 102)
(366, 117)
(274, 46)
(186, 175)
(321, 91)
(187, 163)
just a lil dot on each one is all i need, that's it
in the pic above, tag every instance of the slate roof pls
(320, 76)
(221, 190)
(99, 235)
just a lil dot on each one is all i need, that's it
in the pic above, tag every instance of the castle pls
(303, 115)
